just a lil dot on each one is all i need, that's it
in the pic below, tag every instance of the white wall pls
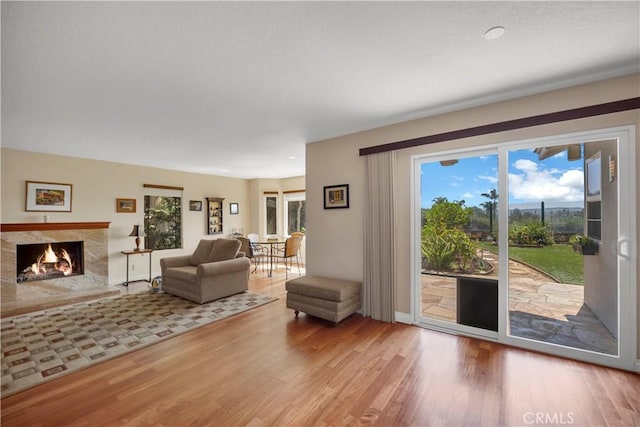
(335, 238)
(97, 184)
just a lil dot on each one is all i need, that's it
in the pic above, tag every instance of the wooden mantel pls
(41, 226)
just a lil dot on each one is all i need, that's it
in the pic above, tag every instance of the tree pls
(448, 214)
(491, 206)
(162, 222)
(443, 240)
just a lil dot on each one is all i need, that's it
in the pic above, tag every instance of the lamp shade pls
(137, 231)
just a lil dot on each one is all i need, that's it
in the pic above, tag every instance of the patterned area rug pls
(43, 345)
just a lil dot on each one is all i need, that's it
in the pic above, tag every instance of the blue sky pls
(555, 180)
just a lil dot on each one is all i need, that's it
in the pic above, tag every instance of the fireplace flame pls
(49, 260)
(67, 268)
(50, 255)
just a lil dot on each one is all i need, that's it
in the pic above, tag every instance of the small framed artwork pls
(48, 197)
(234, 209)
(336, 196)
(126, 205)
(195, 205)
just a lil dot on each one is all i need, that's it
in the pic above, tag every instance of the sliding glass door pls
(563, 279)
(458, 235)
(531, 243)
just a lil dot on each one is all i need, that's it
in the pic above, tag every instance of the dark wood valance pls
(163, 187)
(542, 119)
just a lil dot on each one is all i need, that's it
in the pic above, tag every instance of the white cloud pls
(467, 196)
(535, 183)
(526, 165)
(491, 179)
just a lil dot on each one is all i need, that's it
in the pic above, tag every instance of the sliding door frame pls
(436, 324)
(627, 280)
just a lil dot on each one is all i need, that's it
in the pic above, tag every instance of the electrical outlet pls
(133, 267)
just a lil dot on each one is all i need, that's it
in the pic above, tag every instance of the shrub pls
(531, 233)
(446, 249)
(580, 240)
(437, 248)
(445, 246)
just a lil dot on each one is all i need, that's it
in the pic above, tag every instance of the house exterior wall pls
(335, 237)
(601, 270)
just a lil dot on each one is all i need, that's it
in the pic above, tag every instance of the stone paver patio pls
(539, 308)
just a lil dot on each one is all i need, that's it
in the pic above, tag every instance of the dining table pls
(272, 252)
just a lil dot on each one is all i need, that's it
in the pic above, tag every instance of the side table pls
(133, 252)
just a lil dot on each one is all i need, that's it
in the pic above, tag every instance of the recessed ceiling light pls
(494, 33)
(292, 157)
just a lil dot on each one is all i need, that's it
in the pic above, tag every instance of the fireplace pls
(44, 261)
(90, 264)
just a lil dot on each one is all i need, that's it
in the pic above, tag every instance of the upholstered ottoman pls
(324, 297)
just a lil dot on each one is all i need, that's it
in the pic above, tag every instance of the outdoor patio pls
(539, 308)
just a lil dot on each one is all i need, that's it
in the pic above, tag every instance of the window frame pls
(300, 196)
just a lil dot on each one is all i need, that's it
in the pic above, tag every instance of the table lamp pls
(137, 232)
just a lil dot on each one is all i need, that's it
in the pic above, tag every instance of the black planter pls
(589, 249)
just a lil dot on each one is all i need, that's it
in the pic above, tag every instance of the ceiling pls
(238, 88)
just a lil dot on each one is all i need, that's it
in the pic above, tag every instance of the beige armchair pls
(215, 270)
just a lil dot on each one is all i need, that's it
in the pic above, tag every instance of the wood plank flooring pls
(267, 368)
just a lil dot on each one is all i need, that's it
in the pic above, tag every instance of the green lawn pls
(560, 261)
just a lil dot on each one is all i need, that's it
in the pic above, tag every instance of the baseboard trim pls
(404, 318)
(637, 366)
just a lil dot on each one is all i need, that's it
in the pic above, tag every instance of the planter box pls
(586, 249)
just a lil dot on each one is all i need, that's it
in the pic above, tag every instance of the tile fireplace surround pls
(36, 295)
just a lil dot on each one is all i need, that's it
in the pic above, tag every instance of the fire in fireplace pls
(43, 261)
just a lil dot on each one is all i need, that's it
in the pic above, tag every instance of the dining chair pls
(259, 252)
(301, 234)
(290, 250)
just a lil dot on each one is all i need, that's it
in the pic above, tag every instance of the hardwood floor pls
(265, 367)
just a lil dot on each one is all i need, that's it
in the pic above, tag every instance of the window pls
(593, 177)
(271, 205)
(162, 218)
(294, 215)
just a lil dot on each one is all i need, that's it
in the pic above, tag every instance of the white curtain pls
(379, 238)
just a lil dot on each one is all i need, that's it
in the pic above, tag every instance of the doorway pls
(498, 244)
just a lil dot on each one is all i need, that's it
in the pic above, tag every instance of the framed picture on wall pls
(234, 209)
(48, 197)
(195, 205)
(126, 205)
(336, 196)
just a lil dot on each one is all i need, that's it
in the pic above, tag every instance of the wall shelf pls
(214, 215)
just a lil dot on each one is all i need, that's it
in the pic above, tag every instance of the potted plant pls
(584, 244)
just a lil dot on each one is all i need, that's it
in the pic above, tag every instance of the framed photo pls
(126, 205)
(48, 197)
(234, 209)
(195, 205)
(336, 196)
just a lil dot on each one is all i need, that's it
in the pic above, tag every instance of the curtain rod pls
(542, 119)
